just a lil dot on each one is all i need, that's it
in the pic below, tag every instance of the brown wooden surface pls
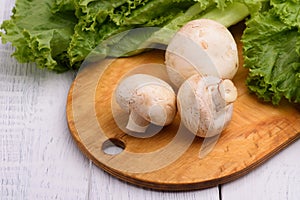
(257, 131)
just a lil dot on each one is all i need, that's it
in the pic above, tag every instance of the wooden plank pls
(277, 179)
(6, 9)
(38, 158)
(170, 159)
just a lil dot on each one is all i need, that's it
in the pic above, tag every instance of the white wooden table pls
(39, 159)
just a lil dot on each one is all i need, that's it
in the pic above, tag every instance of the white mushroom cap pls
(203, 107)
(201, 46)
(155, 103)
(148, 100)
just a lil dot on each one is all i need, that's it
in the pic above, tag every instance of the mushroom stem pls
(228, 91)
(136, 123)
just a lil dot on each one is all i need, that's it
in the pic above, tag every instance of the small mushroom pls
(205, 104)
(203, 47)
(147, 99)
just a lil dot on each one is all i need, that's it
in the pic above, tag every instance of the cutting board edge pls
(171, 186)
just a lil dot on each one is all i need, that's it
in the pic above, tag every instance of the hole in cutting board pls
(113, 146)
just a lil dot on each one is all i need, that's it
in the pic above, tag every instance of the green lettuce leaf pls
(287, 11)
(145, 14)
(38, 35)
(271, 52)
(59, 34)
(138, 39)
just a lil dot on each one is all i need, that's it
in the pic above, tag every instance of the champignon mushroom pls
(147, 99)
(201, 46)
(205, 104)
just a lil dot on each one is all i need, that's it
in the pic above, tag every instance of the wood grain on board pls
(169, 159)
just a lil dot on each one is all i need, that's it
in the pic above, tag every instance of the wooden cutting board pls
(170, 158)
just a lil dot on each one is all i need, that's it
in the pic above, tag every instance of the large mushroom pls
(203, 47)
(205, 104)
(147, 99)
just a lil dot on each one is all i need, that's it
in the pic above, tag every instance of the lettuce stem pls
(231, 15)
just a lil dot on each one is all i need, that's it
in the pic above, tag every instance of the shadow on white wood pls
(105, 186)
